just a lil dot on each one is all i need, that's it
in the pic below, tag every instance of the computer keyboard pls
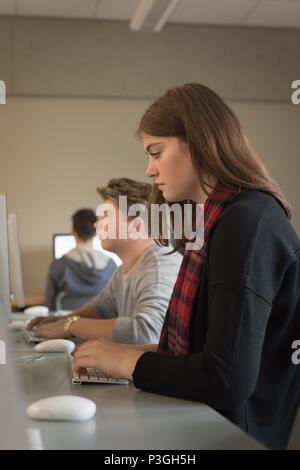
(19, 316)
(93, 376)
(30, 338)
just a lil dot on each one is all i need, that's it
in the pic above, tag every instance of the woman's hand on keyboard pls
(111, 358)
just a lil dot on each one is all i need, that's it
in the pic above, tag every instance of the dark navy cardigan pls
(244, 322)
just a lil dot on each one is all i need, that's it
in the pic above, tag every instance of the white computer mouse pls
(37, 311)
(62, 408)
(55, 345)
(16, 325)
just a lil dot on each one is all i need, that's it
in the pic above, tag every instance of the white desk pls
(126, 418)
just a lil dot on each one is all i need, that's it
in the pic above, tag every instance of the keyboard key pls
(94, 376)
(84, 377)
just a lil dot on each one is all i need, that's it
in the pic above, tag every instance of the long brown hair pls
(217, 142)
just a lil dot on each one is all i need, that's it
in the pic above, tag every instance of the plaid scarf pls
(174, 339)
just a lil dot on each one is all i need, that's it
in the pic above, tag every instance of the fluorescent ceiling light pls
(152, 15)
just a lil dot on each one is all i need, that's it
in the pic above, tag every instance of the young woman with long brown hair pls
(235, 309)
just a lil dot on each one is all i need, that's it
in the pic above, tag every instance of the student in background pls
(132, 307)
(235, 310)
(82, 270)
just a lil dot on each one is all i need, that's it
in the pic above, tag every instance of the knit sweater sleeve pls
(225, 372)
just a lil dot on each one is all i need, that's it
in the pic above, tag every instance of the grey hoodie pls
(82, 271)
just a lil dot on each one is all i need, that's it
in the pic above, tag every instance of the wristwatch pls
(68, 323)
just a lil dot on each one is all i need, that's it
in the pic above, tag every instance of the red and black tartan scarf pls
(174, 339)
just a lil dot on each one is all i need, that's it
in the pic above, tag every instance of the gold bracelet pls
(68, 323)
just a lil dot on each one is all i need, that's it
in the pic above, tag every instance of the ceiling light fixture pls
(152, 15)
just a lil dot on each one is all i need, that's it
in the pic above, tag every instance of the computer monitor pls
(16, 279)
(64, 242)
(14, 432)
(5, 306)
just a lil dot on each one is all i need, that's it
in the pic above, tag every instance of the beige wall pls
(55, 152)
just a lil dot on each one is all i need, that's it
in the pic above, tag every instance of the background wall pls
(72, 110)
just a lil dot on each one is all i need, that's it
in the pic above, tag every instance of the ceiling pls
(258, 13)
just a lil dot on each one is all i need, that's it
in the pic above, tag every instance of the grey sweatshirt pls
(82, 271)
(139, 300)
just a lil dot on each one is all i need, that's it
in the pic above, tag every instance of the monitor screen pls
(64, 242)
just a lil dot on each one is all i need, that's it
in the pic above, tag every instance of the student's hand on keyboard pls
(39, 321)
(51, 330)
(111, 358)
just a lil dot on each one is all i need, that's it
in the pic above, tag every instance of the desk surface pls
(126, 418)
